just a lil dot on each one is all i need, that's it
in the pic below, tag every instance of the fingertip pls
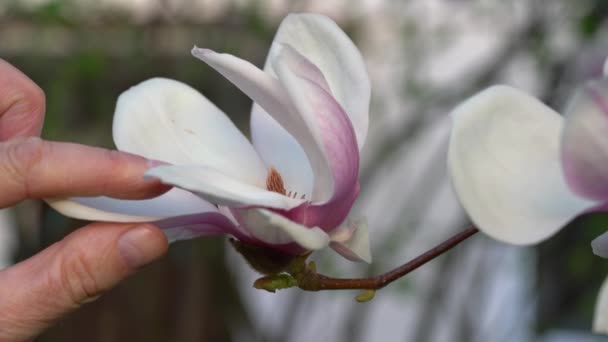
(133, 169)
(142, 245)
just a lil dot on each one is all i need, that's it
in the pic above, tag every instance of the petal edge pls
(504, 161)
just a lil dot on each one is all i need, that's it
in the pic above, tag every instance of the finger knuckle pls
(35, 100)
(77, 278)
(22, 156)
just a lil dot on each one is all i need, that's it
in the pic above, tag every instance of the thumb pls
(71, 272)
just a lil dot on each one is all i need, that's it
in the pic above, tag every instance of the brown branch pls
(311, 281)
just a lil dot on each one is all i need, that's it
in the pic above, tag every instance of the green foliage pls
(592, 21)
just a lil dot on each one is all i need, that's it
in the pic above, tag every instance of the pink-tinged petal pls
(352, 241)
(327, 123)
(202, 224)
(328, 216)
(170, 121)
(269, 93)
(600, 320)
(173, 203)
(259, 86)
(322, 42)
(275, 229)
(585, 141)
(504, 161)
(219, 188)
(600, 245)
(280, 150)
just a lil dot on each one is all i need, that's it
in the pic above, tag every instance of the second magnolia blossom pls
(522, 171)
(292, 188)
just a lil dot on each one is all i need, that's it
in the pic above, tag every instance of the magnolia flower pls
(293, 186)
(522, 171)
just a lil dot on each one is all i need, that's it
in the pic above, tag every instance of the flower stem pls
(310, 280)
(298, 273)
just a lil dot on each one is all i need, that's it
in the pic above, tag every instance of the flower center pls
(274, 182)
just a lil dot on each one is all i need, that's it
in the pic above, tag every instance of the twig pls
(380, 281)
(306, 277)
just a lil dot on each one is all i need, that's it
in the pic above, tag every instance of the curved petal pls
(173, 203)
(352, 241)
(584, 142)
(280, 151)
(327, 122)
(600, 245)
(276, 229)
(219, 188)
(270, 95)
(196, 225)
(259, 86)
(600, 320)
(328, 216)
(322, 42)
(504, 161)
(170, 121)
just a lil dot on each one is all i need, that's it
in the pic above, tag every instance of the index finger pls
(34, 168)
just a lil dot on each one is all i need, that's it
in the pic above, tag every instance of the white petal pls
(276, 229)
(504, 161)
(322, 42)
(176, 202)
(270, 95)
(259, 86)
(585, 144)
(170, 121)
(219, 188)
(332, 146)
(280, 149)
(352, 241)
(600, 320)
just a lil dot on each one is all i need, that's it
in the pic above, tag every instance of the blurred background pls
(424, 57)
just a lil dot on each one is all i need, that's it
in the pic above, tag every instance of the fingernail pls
(154, 163)
(140, 246)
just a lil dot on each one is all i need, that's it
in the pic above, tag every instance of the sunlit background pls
(424, 57)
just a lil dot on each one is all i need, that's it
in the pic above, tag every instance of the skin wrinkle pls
(71, 275)
(14, 315)
(23, 124)
(22, 154)
(22, 104)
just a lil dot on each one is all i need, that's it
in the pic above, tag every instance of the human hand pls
(91, 260)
